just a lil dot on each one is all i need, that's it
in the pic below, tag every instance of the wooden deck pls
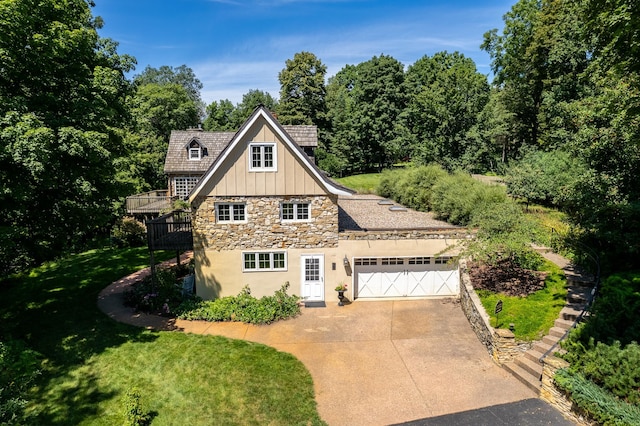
(170, 232)
(152, 202)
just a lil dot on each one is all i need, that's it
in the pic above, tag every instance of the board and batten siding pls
(234, 178)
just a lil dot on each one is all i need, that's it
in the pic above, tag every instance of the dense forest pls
(559, 120)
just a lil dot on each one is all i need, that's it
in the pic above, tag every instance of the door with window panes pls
(312, 282)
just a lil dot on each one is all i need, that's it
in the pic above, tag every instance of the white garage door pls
(405, 277)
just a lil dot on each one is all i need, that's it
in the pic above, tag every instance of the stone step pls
(571, 311)
(533, 355)
(557, 331)
(563, 323)
(551, 339)
(524, 376)
(530, 366)
(579, 295)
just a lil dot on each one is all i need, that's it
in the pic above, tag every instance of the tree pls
(182, 75)
(547, 178)
(62, 94)
(250, 101)
(302, 90)
(446, 94)
(156, 109)
(220, 116)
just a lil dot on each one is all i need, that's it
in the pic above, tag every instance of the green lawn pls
(533, 315)
(364, 183)
(91, 361)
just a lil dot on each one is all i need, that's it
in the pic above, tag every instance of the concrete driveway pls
(385, 362)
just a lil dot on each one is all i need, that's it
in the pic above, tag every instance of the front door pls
(312, 277)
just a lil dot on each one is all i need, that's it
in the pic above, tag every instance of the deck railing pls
(150, 202)
(170, 232)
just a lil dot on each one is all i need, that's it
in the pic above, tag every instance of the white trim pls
(319, 284)
(262, 167)
(262, 112)
(296, 212)
(196, 158)
(271, 260)
(232, 213)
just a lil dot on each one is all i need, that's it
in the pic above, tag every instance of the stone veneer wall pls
(558, 398)
(263, 228)
(500, 343)
(427, 234)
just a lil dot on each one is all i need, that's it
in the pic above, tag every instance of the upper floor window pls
(230, 212)
(294, 211)
(262, 157)
(183, 185)
(195, 150)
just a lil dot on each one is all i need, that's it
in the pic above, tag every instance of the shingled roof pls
(177, 159)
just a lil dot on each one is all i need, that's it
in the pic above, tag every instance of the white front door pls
(312, 277)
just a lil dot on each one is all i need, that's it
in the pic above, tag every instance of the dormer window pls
(195, 150)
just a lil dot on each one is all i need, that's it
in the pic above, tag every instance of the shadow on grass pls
(53, 310)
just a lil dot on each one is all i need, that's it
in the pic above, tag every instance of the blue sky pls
(234, 46)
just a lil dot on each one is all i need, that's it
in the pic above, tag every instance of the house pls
(189, 155)
(263, 214)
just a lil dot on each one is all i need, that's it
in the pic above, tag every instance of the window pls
(366, 261)
(182, 186)
(419, 260)
(195, 150)
(442, 260)
(392, 261)
(294, 211)
(194, 153)
(264, 261)
(230, 212)
(262, 157)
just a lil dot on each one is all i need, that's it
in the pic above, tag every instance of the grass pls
(89, 361)
(364, 183)
(533, 315)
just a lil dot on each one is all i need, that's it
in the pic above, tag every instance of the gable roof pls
(177, 161)
(261, 112)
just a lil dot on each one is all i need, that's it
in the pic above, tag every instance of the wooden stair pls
(527, 367)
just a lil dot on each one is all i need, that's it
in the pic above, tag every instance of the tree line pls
(77, 136)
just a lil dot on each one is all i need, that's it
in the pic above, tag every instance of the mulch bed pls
(506, 278)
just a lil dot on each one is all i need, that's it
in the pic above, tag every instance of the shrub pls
(597, 402)
(456, 197)
(411, 187)
(18, 369)
(159, 294)
(135, 415)
(243, 308)
(128, 232)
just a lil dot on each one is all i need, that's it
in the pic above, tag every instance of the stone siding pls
(556, 397)
(263, 228)
(500, 343)
(427, 234)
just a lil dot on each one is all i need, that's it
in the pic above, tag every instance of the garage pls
(422, 276)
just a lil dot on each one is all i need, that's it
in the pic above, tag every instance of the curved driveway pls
(372, 362)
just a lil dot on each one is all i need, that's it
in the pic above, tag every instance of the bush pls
(18, 369)
(615, 314)
(128, 232)
(159, 294)
(456, 197)
(243, 308)
(601, 405)
(412, 187)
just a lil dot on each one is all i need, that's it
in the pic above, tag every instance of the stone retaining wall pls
(426, 234)
(554, 396)
(500, 343)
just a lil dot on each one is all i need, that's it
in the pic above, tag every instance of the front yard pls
(90, 362)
